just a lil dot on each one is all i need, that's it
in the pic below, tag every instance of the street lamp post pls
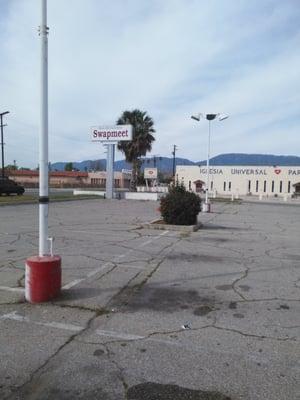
(210, 118)
(2, 140)
(174, 160)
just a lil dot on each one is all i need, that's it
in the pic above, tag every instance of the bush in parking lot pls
(180, 207)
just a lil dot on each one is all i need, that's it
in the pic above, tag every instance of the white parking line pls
(75, 282)
(118, 335)
(92, 273)
(13, 316)
(155, 238)
(58, 325)
(10, 289)
(107, 264)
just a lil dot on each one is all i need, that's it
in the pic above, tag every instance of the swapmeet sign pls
(115, 133)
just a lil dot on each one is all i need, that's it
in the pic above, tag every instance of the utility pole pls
(174, 154)
(2, 140)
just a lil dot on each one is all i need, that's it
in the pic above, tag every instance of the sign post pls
(150, 174)
(109, 136)
(110, 170)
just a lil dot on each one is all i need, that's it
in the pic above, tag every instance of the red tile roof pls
(65, 174)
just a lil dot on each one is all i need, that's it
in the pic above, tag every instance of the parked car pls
(8, 186)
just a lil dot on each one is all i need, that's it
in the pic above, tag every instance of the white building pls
(241, 180)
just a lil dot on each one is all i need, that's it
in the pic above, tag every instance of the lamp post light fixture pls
(209, 117)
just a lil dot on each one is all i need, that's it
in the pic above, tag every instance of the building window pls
(211, 185)
(224, 186)
(289, 186)
(280, 187)
(256, 188)
(229, 186)
(265, 186)
(272, 190)
(190, 185)
(249, 186)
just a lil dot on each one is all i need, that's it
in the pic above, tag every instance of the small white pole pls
(110, 171)
(207, 163)
(43, 143)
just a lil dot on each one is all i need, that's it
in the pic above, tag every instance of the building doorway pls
(199, 186)
(297, 188)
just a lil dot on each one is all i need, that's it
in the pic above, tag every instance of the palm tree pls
(141, 142)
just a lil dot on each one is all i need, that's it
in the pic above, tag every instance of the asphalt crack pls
(42, 368)
(253, 335)
(245, 274)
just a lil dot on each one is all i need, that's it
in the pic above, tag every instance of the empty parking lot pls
(149, 314)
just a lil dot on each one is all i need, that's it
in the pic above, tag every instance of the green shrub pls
(180, 207)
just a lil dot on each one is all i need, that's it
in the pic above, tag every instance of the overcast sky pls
(171, 58)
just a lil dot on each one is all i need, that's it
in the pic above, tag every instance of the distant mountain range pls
(165, 164)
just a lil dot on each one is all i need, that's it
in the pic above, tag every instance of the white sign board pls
(115, 133)
(127, 171)
(150, 173)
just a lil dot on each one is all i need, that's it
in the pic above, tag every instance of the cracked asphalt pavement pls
(147, 314)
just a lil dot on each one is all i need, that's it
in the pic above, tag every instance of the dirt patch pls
(224, 287)
(203, 310)
(214, 239)
(99, 352)
(245, 288)
(157, 391)
(283, 307)
(238, 315)
(169, 299)
(232, 305)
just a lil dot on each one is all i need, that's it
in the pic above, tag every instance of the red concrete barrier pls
(42, 278)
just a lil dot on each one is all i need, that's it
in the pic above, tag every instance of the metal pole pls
(2, 141)
(174, 159)
(110, 171)
(2, 146)
(43, 143)
(207, 162)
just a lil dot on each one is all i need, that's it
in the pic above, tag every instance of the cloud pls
(170, 58)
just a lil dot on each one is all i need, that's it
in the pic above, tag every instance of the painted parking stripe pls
(10, 289)
(14, 316)
(118, 335)
(155, 238)
(58, 325)
(107, 264)
(73, 283)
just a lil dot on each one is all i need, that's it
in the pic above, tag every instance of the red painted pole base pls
(42, 278)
